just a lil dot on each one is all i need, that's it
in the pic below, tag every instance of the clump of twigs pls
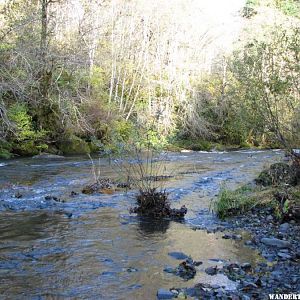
(146, 173)
(102, 185)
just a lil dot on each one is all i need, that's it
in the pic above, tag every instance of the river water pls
(90, 247)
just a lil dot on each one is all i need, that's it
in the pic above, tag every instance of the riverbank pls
(278, 243)
(74, 145)
(270, 215)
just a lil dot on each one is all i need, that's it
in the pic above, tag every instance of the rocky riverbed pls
(278, 243)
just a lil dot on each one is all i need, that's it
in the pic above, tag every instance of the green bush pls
(73, 145)
(26, 140)
(5, 149)
(234, 202)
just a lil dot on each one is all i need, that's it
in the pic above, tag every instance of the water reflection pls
(148, 226)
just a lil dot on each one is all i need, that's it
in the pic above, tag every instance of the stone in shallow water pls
(178, 255)
(246, 266)
(276, 243)
(211, 270)
(164, 294)
(169, 270)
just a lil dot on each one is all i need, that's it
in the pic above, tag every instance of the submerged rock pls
(178, 255)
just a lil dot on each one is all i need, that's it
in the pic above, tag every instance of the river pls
(90, 247)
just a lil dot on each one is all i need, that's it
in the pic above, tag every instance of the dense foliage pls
(81, 75)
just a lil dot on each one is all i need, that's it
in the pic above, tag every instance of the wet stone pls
(178, 255)
(18, 195)
(284, 227)
(232, 236)
(169, 270)
(164, 294)
(246, 266)
(276, 243)
(131, 270)
(211, 270)
(284, 255)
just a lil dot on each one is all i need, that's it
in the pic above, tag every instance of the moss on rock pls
(73, 145)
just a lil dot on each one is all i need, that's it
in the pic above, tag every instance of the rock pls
(232, 267)
(215, 286)
(276, 243)
(49, 198)
(226, 236)
(102, 186)
(284, 227)
(18, 195)
(232, 236)
(246, 286)
(269, 218)
(131, 270)
(211, 270)
(246, 266)
(170, 270)
(186, 269)
(178, 255)
(164, 294)
(284, 255)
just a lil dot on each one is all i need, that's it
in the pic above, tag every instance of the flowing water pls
(90, 247)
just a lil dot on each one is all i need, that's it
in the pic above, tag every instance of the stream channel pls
(91, 247)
